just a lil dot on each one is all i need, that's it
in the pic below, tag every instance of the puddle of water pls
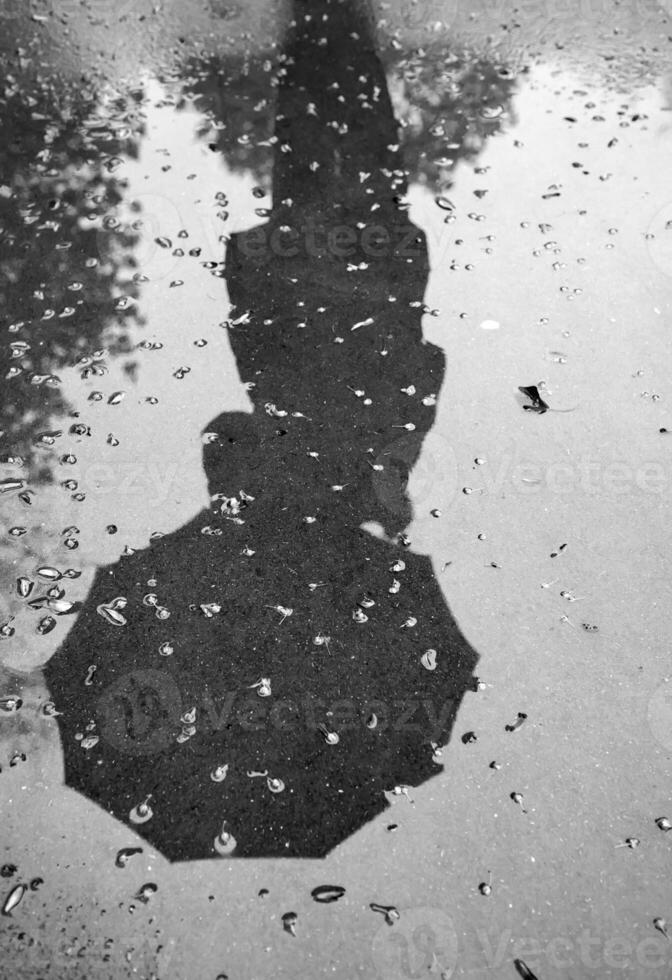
(543, 134)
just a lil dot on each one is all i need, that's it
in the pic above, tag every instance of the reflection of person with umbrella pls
(272, 668)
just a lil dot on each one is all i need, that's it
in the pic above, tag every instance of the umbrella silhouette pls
(260, 681)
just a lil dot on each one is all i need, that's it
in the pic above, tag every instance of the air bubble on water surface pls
(24, 586)
(111, 614)
(46, 625)
(124, 854)
(225, 842)
(289, 920)
(10, 704)
(142, 812)
(7, 486)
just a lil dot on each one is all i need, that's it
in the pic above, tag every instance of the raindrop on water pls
(289, 920)
(142, 812)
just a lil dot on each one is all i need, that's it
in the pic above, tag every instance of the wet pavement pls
(335, 479)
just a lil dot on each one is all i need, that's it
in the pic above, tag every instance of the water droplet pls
(145, 892)
(124, 854)
(10, 704)
(327, 893)
(218, 775)
(263, 687)
(518, 800)
(24, 586)
(225, 842)
(46, 625)
(517, 723)
(111, 614)
(289, 920)
(142, 812)
(331, 738)
(389, 912)
(13, 899)
(61, 606)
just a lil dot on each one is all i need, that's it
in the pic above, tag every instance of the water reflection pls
(66, 286)
(266, 679)
(447, 99)
(66, 269)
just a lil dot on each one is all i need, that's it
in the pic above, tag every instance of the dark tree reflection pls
(448, 102)
(65, 264)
